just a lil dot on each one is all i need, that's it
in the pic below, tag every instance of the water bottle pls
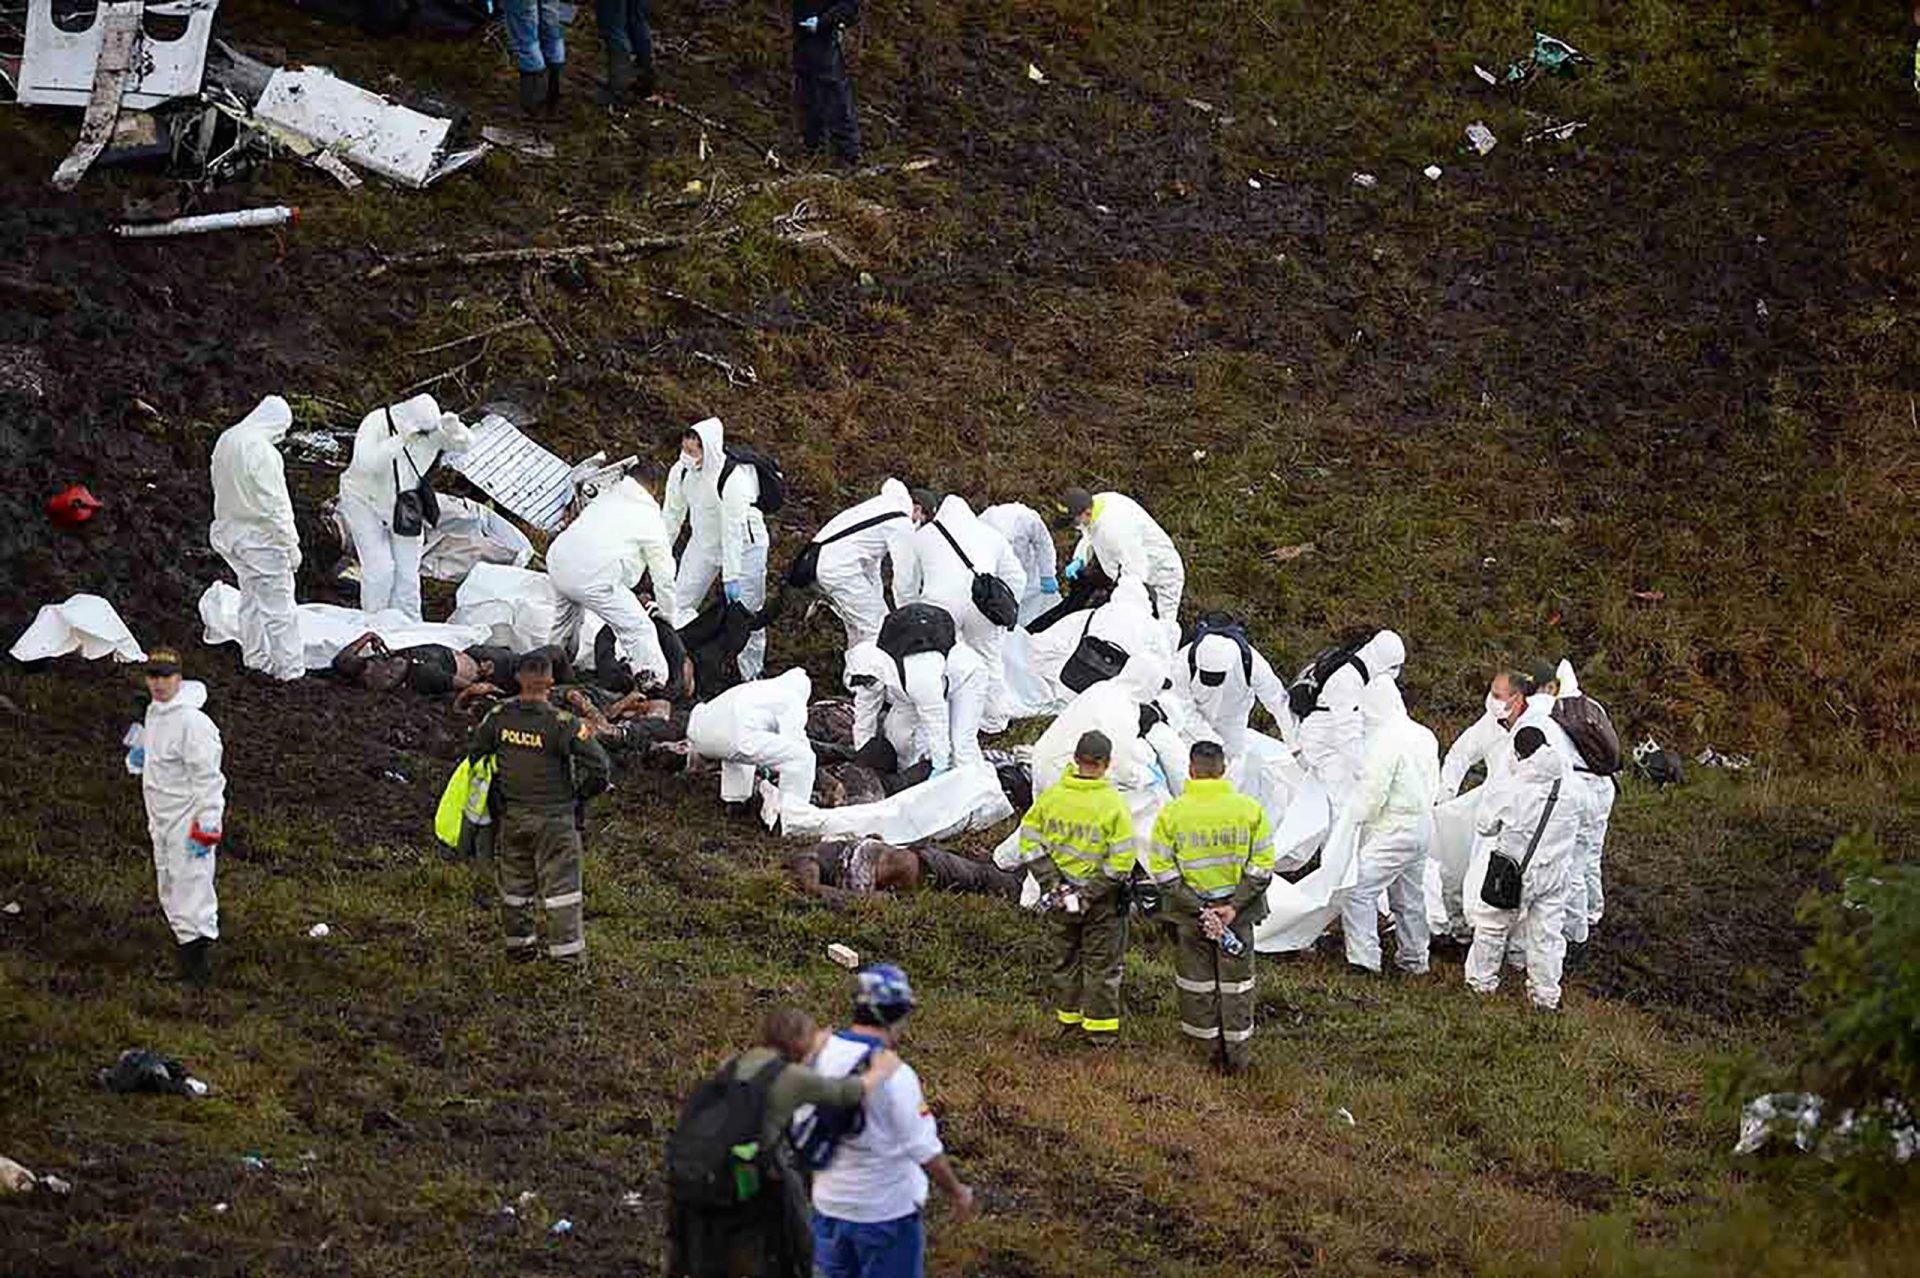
(1230, 944)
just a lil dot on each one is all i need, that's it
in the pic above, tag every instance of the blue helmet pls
(883, 992)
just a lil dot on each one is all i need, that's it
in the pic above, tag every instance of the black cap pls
(163, 661)
(1078, 501)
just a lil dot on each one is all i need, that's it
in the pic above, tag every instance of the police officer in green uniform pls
(546, 760)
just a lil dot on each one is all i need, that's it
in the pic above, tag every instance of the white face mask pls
(689, 461)
(1496, 707)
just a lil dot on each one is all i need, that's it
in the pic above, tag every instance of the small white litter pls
(1484, 74)
(86, 624)
(1433, 172)
(11, 907)
(1345, 1115)
(1366, 181)
(1035, 74)
(845, 955)
(1480, 137)
(319, 931)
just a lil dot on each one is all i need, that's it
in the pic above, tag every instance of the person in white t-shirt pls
(867, 1200)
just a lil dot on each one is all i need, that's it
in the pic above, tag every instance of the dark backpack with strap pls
(1228, 626)
(1093, 660)
(1303, 694)
(806, 565)
(1501, 887)
(714, 1157)
(773, 480)
(816, 1140)
(992, 596)
(916, 628)
(1590, 728)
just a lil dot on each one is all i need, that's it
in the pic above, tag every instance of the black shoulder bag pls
(806, 565)
(415, 509)
(992, 596)
(1501, 889)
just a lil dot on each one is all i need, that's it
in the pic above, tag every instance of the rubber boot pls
(195, 968)
(643, 80)
(620, 75)
(533, 91)
(553, 87)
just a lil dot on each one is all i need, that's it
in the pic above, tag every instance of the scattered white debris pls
(1760, 309)
(1557, 131)
(1035, 74)
(561, 1226)
(1798, 1113)
(1712, 758)
(1433, 172)
(1481, 137)
(319, 931)
(86, 624)
(634, 1199)
(846, 956)
(1346, 1115)
(1254, 183)
(1484, 74)
(1201, 105)
(56, 1185)
(1366, 181)
(1199, 454)
(238, 219)
(220, 1209)
(524, 141)
(14, 1179)
(11, 907)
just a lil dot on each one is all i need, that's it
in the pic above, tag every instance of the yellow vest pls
(1084, 825)
(1212, 836)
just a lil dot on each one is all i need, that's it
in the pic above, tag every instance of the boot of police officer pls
(545, 760)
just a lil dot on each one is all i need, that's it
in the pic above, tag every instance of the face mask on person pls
(689, 461)
(1496, 707)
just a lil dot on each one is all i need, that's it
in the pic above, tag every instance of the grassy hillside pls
(1643, 396)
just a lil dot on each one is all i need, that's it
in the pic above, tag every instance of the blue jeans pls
(534, 30)
(626, 27)
(890, 1249)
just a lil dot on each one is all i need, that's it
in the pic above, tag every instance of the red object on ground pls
(71, 507)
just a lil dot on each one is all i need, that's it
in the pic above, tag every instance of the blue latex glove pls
(1073, 570)
(940, 768)
(732, 591)
(1049, 585)
(810, 25)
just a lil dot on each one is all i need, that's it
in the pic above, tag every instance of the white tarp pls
(86, 624)
(515, 606)
(518, 473)
(1450, 855)
(966, 798)
(359, 126)
(326, 629)
(1297, 913)
(469, 533)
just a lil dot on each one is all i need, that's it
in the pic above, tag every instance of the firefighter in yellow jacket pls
(1212, 855)
(1077, 839)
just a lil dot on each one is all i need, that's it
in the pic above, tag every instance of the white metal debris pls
(361, 127)
(516, 472)
(57, 66)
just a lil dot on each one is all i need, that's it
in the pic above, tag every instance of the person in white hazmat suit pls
(1586, 901)
(1126, 620)
(393, 451)
(1032, 543)
(1220, 675)
(253, 530)
(938, 575)
(598, 559)
(727, 539)
(854, 548)
(1392, 806)
(933, 713)
(1488, 740)
(1534, 826)
(762, 724)
(1332, 738)
(179, 759)
(1117, 533)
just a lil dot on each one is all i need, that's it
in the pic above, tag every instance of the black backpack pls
(916, 628)
(714, 1157)
(773, 480)
(1590, 728)
(992, 596)
(1229, 626)
(1303, 694)
(815, 1140)
(1505, 876)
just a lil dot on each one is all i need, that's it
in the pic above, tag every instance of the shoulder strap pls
(862, 526)
(763, 1078)
(411, 464)
(956, 546)
(1553, 796)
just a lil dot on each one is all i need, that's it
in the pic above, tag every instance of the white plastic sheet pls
(1297, 913)
(326, 629)
(966, 798)
(86, 624)
(515, 606)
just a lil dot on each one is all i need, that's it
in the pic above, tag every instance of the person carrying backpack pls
(721, 496)
(868, 1198)
(739, 1198)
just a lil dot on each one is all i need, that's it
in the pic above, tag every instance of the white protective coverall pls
(1213, 677)
(758, 724)
(1125, 541)
(1126, 620)
(848, 572)
(184, 787)
(728, 537)
(599, 558)
(1586, 901)
(384, 462)
(1332, 740)
(1028, 695)
(935, 715)
(937, 575)
(1393, 807)
(1457, 817)
(253, 530)
(1536, 927)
